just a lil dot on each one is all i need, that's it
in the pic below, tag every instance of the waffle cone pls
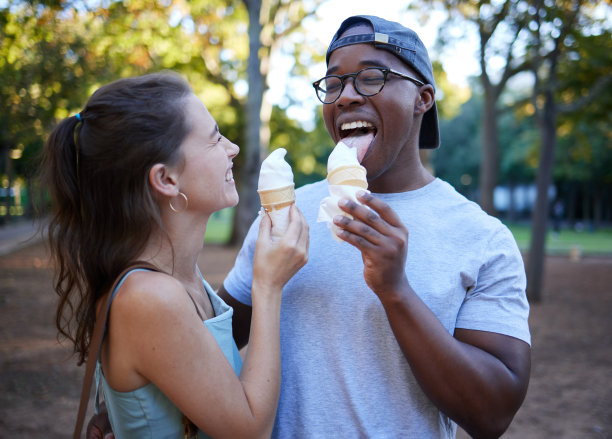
(277, 198)
(349, 176)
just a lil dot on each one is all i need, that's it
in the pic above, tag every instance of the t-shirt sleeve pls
(240, 278)
(498, 301)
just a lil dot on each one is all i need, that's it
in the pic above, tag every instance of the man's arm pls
(477, 378)
(241, 320)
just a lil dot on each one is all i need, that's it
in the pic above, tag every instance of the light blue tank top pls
(146, 412)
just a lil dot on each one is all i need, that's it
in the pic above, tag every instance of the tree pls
(552, 27)
(457, 161)
(533, 36)
(307, 150)
(54, 54)
(270, 21)
(519, 141)
(43, 71)
(584, 155)
(501, 29)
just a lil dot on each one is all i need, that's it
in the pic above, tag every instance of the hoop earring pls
(174, 209)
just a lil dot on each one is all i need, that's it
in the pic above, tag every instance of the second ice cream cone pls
(349, 175)
(277, 198)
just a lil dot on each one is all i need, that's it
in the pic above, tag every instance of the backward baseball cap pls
(407, 46)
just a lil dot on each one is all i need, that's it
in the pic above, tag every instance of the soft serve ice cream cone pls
(276, 190)
(346, 177)
(343, 168)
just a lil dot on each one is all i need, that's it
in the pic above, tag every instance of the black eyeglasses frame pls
(384, 70)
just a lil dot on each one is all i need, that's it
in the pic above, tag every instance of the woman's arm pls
(155, 335)
(274, 263)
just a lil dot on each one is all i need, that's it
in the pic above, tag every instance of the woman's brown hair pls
(96, 167)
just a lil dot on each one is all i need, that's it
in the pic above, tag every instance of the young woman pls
(135, 176)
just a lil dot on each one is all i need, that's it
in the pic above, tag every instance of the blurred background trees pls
(529, 138)
(550, 40)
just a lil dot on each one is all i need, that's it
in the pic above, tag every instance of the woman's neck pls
(177, 251)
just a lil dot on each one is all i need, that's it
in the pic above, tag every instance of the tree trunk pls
(606, 204)
(8, 172)
(571, 205)
(30, 209)
(4, 162)
(512, 214)
(249, 199)
(597, 207)
(586, 205)
(489, 166)
(535, 261)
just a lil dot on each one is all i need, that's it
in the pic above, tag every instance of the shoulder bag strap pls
(96, 344)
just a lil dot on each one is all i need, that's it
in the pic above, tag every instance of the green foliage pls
(449, 96)
(54, 55)
(219, 226)
(307, 152)
(41, 76)
(458, 158)
(585, 137)
(518, 139)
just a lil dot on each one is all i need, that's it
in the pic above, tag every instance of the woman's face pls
(206, 175)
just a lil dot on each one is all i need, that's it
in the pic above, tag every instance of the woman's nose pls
(232, 149)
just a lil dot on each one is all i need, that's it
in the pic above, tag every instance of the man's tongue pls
(360, 142)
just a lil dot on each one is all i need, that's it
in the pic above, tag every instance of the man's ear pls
(426, 99)
(164, 180)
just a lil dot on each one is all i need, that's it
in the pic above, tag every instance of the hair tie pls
(75, 139)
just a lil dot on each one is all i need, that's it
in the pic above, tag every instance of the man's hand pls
(380, 236)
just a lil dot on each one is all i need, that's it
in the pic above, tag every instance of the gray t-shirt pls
(343, 373)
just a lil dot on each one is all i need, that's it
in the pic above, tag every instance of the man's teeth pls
(356, 124)
(229, 175)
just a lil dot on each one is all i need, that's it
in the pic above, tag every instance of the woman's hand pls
(382, 239)
(277, 260)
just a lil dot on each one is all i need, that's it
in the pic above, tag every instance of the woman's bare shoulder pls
(146, 292)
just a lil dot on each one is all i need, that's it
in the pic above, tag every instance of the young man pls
(419, 318)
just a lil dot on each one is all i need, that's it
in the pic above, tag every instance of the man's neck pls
(408, 180)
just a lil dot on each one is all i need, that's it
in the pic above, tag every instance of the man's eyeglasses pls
(367, 82)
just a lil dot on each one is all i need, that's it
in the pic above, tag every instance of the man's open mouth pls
(358, 134)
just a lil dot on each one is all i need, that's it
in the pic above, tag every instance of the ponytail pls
(96, 167)
(61, 162)
(65, 233)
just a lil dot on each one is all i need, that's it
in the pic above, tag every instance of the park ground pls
(569, 396)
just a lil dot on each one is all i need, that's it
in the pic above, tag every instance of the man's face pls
(389, 116)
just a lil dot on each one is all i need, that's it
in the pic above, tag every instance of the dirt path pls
(570, 394)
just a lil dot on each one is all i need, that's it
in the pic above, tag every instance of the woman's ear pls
(426, 99)
(164, 180)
